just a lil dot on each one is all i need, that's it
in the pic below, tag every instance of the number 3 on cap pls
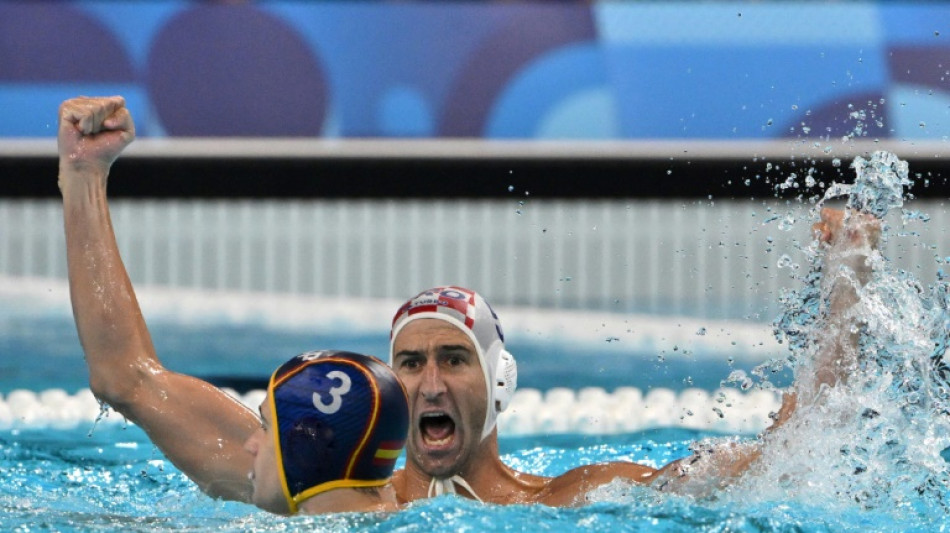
(336, 393)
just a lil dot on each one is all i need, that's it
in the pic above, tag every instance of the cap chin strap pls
(440, 486)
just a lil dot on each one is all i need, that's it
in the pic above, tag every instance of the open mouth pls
(437, 429)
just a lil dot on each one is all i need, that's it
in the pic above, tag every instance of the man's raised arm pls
(846, 239)
(198, 427)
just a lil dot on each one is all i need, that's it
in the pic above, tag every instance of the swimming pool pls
(573, 366)
(74, 474)
(111, 478)
(64, 470)
(870, 455)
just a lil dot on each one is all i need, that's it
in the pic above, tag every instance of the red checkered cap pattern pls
(453, 301)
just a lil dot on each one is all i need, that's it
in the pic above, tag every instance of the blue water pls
(113, 479)
(221, 351)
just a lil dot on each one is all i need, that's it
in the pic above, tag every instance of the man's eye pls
(456, 360)
(410, 363)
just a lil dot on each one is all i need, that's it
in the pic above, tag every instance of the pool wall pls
(712, 259)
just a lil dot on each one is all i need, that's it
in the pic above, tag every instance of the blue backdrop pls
(591, 70)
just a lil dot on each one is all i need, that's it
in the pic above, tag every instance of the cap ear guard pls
(506, 380)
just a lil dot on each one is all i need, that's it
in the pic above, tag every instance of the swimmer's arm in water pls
(570, 488)
(197, 426)
(848, 238)
(714, 466)
(708, 468)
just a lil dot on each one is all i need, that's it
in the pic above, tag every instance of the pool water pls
(111, 478)
(252, 351)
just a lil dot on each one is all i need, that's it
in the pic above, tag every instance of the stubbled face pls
(439, 366)
(268, 493)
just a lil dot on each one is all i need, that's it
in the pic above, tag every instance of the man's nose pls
(432, 384)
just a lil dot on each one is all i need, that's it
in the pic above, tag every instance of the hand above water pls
(92, 133)
(849, 229)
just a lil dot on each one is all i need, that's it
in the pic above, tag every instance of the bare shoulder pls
(399, 486)
(570, 487)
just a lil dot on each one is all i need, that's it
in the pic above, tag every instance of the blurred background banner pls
(493, 70)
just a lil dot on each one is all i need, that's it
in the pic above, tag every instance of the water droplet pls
(785, 261)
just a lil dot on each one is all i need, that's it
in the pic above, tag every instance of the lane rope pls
(591, 410)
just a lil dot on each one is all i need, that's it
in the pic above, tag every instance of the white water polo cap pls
(472, 315)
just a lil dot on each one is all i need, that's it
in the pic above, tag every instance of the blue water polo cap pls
(341, 422)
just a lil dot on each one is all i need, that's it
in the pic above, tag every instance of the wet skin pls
(439, 366)
(268, 493)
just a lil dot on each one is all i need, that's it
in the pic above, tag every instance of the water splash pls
(880, 183)
(874, 439)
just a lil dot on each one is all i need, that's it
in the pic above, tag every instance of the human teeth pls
(438, 442)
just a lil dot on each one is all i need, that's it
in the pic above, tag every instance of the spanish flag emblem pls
(388, 452)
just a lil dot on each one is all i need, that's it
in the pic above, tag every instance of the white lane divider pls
(590, 410)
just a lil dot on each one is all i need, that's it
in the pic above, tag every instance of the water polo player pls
(331, 422)
(448, 349)
(454, 375)
(338, 422)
